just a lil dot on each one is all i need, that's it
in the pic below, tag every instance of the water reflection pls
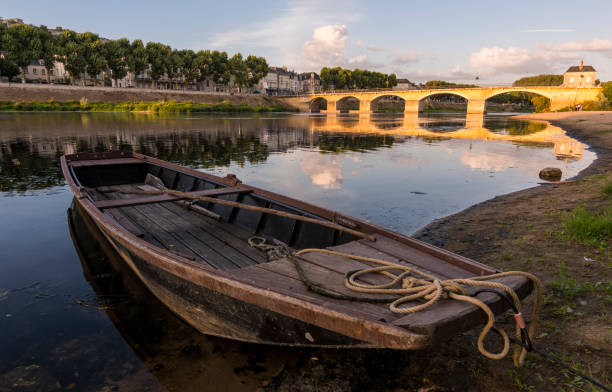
(31, 144)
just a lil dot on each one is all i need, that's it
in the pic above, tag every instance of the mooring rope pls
(414, 285)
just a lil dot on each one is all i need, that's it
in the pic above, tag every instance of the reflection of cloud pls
(487, 161)
(324, 170)
(404, 160)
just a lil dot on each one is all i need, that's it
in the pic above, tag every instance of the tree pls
(239, 70)
(190, 66)
(258, 69)
(173, 66)
(203, 62)
(137, 58)
(220, 70)
(115, 53)
(71, 54)
(8, 69)
(91, 47)
(23, 45)
(540, 80)
(49, 50)
(607, 91)
(157, 54)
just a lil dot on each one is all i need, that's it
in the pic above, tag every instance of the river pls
(73, 318)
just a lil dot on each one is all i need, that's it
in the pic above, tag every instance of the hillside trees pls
(341, 78)
(116, 54)
(23, 44)
(540, 80)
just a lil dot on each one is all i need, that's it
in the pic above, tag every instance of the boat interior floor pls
(224, 246)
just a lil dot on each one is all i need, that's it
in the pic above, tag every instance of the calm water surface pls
(73, 318)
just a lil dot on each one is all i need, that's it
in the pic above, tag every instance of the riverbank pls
(529, 230)
(26, 94)
(144, 107)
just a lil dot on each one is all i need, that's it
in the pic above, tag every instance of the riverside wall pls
(41, 93)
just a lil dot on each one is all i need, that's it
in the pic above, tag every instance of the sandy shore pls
(517, 231)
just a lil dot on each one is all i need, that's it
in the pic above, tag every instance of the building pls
(37, 73)
(11, 21)
(405, 84)
(279, 81)
(580, 76)
(310, 83)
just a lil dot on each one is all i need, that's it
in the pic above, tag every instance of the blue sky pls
(452, 40)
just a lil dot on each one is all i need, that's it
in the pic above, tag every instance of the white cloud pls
(591, 45)
(284, 30)
(407, 58)
(326, 47)
(511, 59)
(374, 48)
(359, 42)
(457, 74)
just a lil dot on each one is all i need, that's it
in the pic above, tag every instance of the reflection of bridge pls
(564, 146)
(560, 97)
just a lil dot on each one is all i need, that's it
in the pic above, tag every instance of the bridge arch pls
(394, 102)
(317, 104)
(447, 99)
(345, 104)
(540, 102)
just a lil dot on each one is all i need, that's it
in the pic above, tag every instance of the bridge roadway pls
(560, 97)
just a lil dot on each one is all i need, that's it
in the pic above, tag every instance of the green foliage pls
(116, 52)
(8, 69)
(540, 80)
(433, 84)
(258, 69)
(340, 78)
(542, 104)
(158, 55)
(582, 226)
(156, 107)
(607, 91)
(137, 58)
(23, 44)
(607, 190)
(565, 286)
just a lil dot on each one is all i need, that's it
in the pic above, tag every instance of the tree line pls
(340, 78)
(88, 54)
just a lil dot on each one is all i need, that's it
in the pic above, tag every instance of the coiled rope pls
(414, 285)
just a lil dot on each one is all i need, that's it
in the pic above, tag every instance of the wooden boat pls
(205, 271)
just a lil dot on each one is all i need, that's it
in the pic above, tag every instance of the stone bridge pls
(559, 97)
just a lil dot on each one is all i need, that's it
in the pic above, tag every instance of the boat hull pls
(213, 313)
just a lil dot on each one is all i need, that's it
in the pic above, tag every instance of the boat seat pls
(133, 201)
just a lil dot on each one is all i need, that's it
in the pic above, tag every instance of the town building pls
(37, 73)
(580, 76)
(310, 83)
(279, 81)
(405, 84)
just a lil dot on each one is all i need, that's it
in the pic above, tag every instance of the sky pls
(496, 41)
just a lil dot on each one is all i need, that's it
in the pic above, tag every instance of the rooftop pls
(585, 68)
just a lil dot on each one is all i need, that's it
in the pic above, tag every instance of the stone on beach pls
(550, 174)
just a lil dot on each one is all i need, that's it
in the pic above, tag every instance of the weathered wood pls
(191, 287)
(125, 222)
(105, 162)
(132, 201)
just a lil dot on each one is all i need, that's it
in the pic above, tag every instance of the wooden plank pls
(105, 162)
(210, 248)
(222, 232)
(125, 222)
(361, 249)
(325, 278)
(123, 202)
(296, 289)
(416, 257)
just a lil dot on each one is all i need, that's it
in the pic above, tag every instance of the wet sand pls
(517, 231)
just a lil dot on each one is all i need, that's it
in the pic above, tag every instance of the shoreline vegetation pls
(144, 106)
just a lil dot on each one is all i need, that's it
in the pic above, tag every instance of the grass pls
(582, 226)
(607, 190)
(157, 107)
